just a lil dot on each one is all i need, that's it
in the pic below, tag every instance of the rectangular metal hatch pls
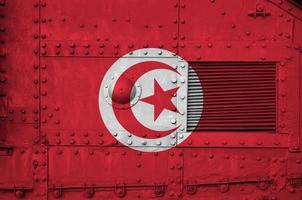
(236, 96)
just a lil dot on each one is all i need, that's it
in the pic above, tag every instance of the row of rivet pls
(287, 6)
(241, 143)
(102, 51)
(3, 79)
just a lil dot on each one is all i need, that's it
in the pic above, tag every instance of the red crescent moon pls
(126, 116)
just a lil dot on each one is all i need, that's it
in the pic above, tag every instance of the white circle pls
(107, 111)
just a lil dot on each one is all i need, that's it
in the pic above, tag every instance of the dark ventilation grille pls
(236, 97)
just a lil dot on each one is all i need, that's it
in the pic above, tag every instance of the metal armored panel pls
(174, 99)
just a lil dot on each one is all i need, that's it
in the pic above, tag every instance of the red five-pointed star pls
(161, 99)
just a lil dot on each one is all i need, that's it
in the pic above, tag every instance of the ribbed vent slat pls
(235, 97)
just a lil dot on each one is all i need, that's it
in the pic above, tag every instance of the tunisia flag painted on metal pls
(173, 99)
(126, 94)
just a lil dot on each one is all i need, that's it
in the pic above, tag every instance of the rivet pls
(173, 121)
(174, 80)
(144, 142)
(158, 142)
(36, 36)
(72, 45)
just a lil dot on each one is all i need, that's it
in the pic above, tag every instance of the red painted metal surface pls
(55, 54)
